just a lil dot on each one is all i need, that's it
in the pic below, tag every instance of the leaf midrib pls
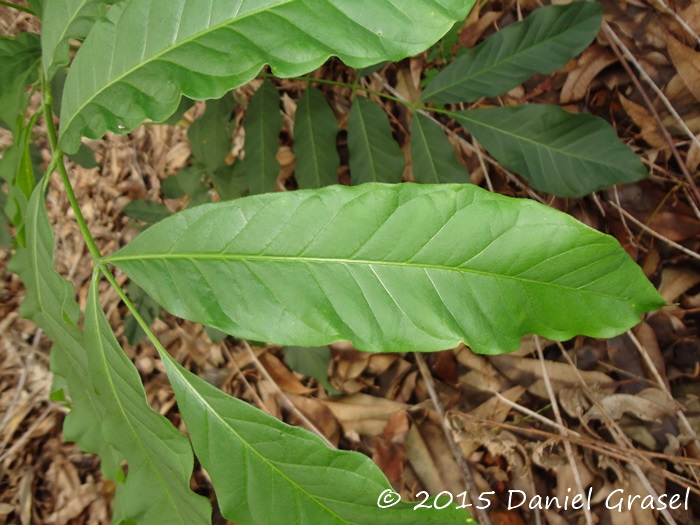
(542, 145)
(145, 450)
(506, 60)
(337, 260)
(244, 442)
(167, 50)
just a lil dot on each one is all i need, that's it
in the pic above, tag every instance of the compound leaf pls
(565, 154)
(143, 56)
(263, 469)
(542, 43)
(389, 268)
(262, 126)
(159, 457)
(63, 20)
(434, 158)
(374, 154)
(315, 132)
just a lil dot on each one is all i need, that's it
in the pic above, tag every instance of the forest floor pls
(622, 413)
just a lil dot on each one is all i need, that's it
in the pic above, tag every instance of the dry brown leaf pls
(431, 458)
(692, 161)
(646, 123)
(285, 379)
(687, 62)
(651, 405)
(691, 16)
(389, 450)
(578, 81)
(528, 373)
(319, 414)
(647, 337)
(367, 415)
(676, 281)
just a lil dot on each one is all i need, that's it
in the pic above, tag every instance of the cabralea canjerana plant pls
(388, 267)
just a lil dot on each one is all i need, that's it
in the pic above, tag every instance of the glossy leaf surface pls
(565, 154)
(263, 469)
(374, 154)
(434, 158)
(263, 124)
(315, 132)
(542, 43)
(389, 268)
(139, 60)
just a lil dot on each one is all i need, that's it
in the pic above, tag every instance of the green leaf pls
(565, 154)
(18, 167)
(230, 182)
(20, 60)
(37, 6)
(434, 158)
(146, 306)
(389, 268)
(147, 211)
(262, 128)
(374, 154)
(312, 362)
(263, 469)
(159, 456)
(151, 52)
(5, 237)
(315, 133)
(188, 181)
(182, 107)
(542, 43)
(66, 19)
(109, 413)
(210, 134)
(85, 157)
(50, 303)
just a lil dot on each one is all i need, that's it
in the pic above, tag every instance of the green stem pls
(61, 165)
(414, 105)
(18, 7)
(143, 324)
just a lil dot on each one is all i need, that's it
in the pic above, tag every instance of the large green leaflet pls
(50, 303)
(159, 456)
(110, 415)
(266, 472)
(542, 43)
(263, 125)
(565, 154)
(434, 158)
(315, 132)
(63, 20)
(374, 154)
(389, 268)
(137, 62)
